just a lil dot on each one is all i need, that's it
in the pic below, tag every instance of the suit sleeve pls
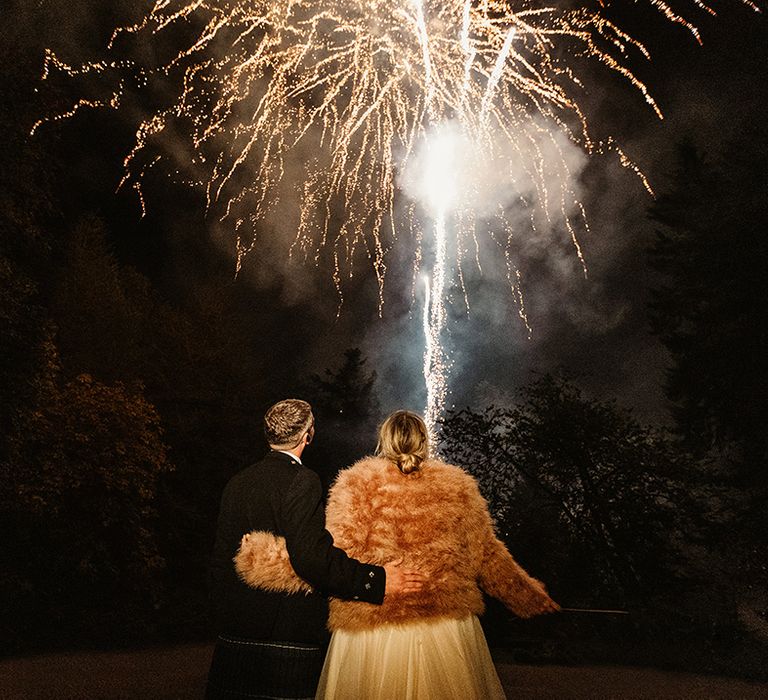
(311, 550)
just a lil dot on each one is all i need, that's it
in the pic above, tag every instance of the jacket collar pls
(283, 457)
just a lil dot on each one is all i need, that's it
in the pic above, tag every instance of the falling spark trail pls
(498, 68)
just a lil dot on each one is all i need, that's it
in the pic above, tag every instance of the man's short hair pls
(286, 422)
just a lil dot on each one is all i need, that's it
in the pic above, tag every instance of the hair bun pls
(408, 463)
(403, 439)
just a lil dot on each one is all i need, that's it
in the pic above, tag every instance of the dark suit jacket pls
(281, 496)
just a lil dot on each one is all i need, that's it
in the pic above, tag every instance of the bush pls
(79, 494)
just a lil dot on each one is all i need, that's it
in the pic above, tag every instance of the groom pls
(272, 644)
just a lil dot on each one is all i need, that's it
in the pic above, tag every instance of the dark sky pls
(596, 327)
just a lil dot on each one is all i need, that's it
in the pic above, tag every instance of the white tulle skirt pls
(443, 659)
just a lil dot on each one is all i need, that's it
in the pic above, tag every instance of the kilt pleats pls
(259, 670)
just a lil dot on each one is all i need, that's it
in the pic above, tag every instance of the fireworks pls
(352, 90)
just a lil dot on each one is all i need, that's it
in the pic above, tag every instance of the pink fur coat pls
(435, 519)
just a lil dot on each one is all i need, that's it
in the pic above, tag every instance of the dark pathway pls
(180, 672)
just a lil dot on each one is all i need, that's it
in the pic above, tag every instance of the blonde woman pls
(401, 503)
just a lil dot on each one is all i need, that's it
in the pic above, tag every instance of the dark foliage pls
(711, 255)
(80, 494)
(345, 411)
(611, 514)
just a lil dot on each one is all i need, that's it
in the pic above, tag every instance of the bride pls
(402, 504)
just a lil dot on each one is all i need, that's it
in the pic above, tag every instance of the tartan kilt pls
(260, 670)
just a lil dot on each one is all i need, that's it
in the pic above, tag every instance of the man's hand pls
(400, 580)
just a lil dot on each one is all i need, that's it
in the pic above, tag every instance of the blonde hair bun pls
(408, 463)
(404, 441)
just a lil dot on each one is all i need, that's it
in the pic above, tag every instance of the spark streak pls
(436, 360)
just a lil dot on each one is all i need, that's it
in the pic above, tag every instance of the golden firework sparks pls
(351, 89)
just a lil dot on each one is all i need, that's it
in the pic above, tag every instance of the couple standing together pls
(402, 612)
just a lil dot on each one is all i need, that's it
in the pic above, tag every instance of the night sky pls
(596, 327)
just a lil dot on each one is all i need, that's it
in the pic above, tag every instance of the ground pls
(179, 673)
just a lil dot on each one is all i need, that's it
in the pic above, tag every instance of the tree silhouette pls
(559, 467)
(345, 408)
(709, 307)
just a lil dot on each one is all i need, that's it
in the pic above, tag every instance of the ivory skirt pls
(441, 659)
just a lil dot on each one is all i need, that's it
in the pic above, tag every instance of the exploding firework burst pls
(353, 89)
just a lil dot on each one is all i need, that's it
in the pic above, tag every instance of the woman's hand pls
(538, 602)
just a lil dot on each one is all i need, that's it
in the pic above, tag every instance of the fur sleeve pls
(352, 507)
(262, 562)
(500, 575)
(503, 578)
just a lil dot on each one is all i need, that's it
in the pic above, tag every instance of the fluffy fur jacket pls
(435, 519)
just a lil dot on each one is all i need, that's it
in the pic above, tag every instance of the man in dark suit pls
(272, 645)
